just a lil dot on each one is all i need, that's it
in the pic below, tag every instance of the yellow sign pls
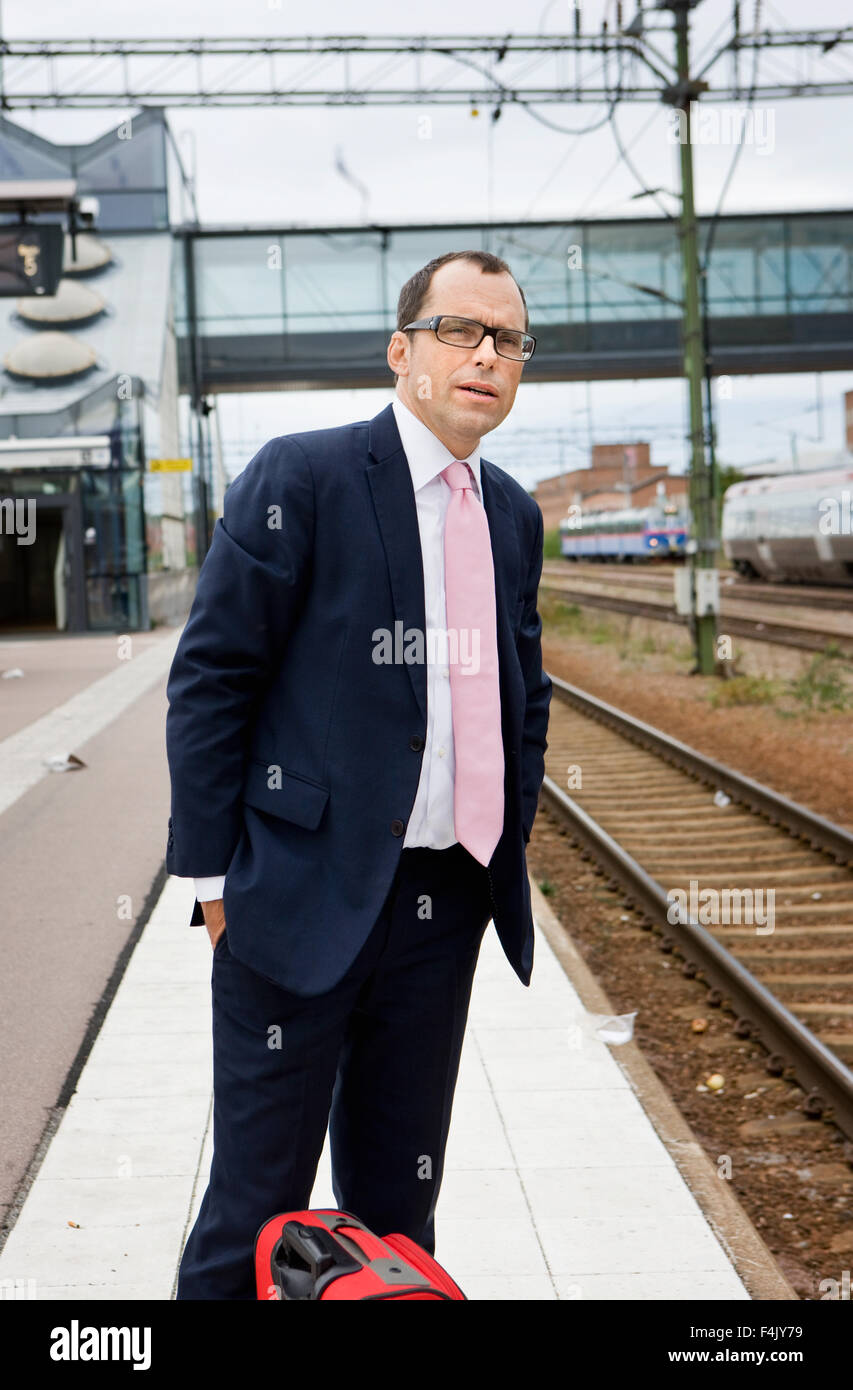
(170, 465)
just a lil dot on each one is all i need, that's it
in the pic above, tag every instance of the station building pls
(89, 398)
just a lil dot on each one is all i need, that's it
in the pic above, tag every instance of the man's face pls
(433, 376)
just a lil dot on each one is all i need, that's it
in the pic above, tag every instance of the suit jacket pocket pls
(297, 799)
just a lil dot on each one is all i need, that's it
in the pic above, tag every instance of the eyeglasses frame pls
(432, 323)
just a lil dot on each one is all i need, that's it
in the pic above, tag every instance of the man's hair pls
(415, 290)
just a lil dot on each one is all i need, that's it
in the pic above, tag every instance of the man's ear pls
(398, 353)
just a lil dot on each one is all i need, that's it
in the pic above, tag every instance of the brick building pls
(619, 475)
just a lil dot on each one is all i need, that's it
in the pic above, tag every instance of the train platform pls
(569, 1172)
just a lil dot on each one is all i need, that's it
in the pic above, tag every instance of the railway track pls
(806, 636)
(753, 891)
(658, 579)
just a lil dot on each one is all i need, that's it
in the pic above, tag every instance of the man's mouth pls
(480, 392)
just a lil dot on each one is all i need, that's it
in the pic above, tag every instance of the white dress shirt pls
(431, 821)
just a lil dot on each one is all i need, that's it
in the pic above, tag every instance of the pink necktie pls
(469, 580)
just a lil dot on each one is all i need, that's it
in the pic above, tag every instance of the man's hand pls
(214, 918)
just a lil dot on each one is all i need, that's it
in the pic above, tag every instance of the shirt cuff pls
(208, 889)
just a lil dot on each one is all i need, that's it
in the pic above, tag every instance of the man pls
(351, 794)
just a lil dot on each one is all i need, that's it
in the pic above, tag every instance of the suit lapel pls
(396, 512)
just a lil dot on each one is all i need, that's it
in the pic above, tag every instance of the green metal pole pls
(701, 495)
(710, 431)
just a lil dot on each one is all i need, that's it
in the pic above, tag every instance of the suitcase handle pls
(316, 1248)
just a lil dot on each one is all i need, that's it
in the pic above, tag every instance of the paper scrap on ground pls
(64, 762)
(607, 1028)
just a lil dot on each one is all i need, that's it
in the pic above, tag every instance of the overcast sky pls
(278, 165)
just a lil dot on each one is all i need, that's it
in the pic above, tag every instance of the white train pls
(797, 526)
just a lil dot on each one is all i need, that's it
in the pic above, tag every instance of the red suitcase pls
(333, 1255)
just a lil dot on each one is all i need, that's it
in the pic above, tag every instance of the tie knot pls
(458, 475)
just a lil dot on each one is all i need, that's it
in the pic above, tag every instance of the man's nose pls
(485, 353)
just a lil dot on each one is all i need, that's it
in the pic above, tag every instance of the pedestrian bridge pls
(266, 308)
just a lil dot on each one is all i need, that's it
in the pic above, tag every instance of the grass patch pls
(562, 618)
(559, 616)
(551, 545)
(746, 690)
(825, 685)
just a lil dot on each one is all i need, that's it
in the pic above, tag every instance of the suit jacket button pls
(397, 827)
(416, 742)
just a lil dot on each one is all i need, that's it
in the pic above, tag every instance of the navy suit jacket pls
(294, 756)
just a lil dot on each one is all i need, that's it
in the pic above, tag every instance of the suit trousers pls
(375, 1059)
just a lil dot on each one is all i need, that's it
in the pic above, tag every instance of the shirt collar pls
(425, 452)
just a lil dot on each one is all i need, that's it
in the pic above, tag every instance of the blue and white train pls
(657, 532)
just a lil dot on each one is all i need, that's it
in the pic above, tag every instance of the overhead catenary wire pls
(622, 150)
(712, 228)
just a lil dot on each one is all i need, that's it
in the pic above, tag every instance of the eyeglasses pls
(468, 333)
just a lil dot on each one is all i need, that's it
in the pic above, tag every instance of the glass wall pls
(114, 547)
(333, 282)
(236, 279)
(323, 303)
